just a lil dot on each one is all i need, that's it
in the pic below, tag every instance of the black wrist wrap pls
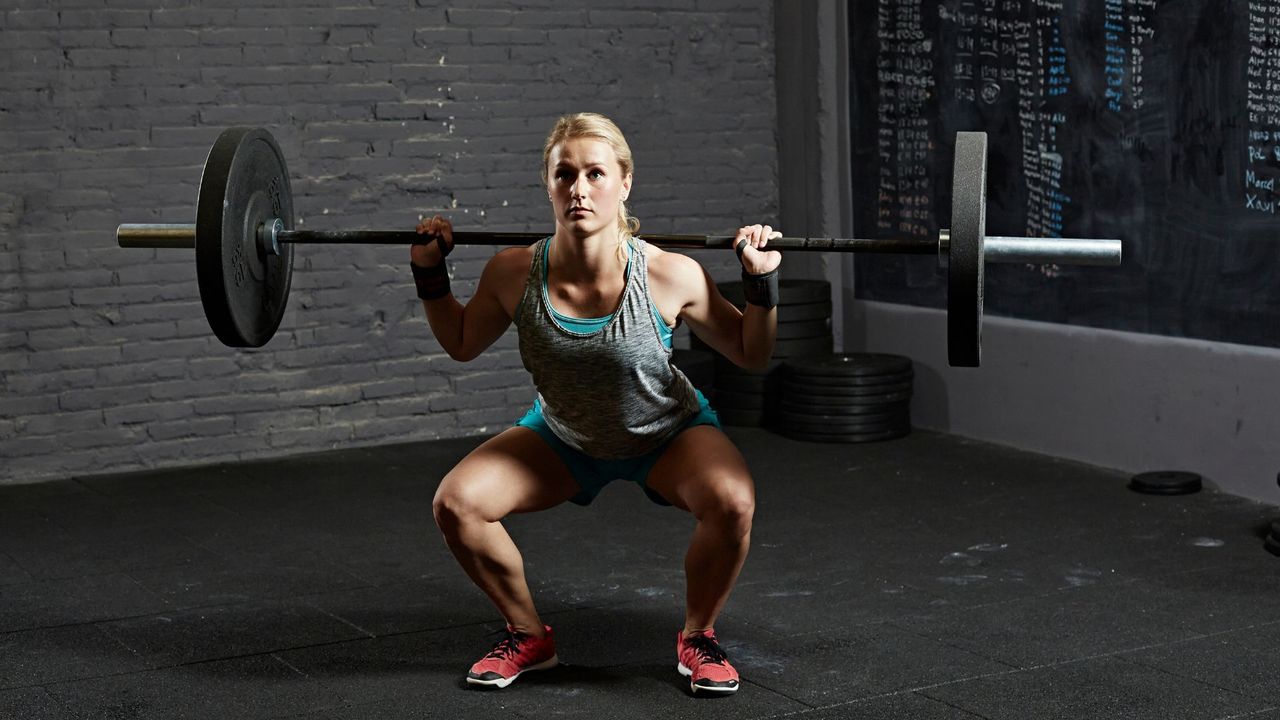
(761, 290)
(432, 282)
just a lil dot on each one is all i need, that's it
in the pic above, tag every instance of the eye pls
(596, 174)
(563, 175)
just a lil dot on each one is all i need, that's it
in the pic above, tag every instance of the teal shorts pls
(592, 474)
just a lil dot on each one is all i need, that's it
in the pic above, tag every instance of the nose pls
(577, 189)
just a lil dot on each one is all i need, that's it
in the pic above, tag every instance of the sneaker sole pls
(695, 688)
(503, 682)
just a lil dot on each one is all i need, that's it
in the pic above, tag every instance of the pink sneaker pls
(512, 655)
(705, 664)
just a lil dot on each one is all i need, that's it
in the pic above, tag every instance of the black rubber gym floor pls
(927, 577)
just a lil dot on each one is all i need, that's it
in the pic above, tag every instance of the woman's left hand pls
(755, 259)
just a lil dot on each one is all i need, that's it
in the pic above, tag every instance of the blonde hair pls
(594, 125)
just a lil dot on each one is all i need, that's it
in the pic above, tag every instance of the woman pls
(594, 308)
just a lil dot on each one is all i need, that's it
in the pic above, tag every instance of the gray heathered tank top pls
(612, 393)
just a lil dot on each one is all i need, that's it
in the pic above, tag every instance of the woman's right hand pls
(436, 244)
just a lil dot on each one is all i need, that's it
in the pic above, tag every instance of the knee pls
(733, 506)
(453, 507)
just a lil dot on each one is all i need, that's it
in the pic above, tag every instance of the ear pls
(626, 186)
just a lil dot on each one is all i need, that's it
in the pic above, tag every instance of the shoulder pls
(671, 267)
(506, 272)
(676, 282)
(511, 263)
(505, 275)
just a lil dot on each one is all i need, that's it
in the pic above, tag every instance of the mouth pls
(576, 210)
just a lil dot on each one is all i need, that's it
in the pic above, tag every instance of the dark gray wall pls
(383, 111)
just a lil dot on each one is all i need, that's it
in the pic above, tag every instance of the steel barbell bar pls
(997, 248)
(244, 239)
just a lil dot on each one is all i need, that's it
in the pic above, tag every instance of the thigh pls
(702, 468)
(512, 472)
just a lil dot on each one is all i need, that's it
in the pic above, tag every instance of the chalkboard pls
(1154, 122)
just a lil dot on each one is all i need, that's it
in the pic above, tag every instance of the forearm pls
(760, 285)
(759, 331)
(445, 315)
(760, 318)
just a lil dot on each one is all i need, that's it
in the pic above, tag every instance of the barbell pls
(244, 238)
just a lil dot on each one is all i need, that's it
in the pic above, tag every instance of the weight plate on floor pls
(813, 416)
(790, 406)
(830, 398)
(245, 184)
(828, 395)
(844, 423)
(800, 398)
(965, 255)
(1272, 544)
(739, 400)
(803, 347)
(793, 385)
(842, 365)
(1165, 482)
(804, 329)
(804, 311)
(737, 379)
(747, 384)
(790, 292)
(820, 384)
(697, 365)
(693, 358)
(724, 364)
(847, 437)
(741, 418)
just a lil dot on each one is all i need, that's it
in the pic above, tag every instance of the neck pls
(584, 258)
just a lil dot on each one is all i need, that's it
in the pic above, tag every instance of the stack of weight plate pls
(804, 329)
(847, 397)
(699, 366)
(743, 397)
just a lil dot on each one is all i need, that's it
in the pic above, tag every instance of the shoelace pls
(507, 646)
(708, 650)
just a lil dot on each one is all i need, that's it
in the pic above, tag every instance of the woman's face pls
(586, 185)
